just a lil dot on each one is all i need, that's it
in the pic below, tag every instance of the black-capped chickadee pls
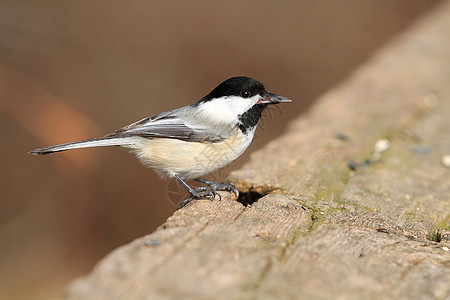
(194, 140)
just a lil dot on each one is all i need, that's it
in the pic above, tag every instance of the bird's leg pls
(198, 193)
(228, 187)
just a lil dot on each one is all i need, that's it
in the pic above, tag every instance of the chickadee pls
(194, 140)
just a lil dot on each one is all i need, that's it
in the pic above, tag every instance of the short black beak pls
(269, 98)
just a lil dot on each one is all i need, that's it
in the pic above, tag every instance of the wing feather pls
(168, 125)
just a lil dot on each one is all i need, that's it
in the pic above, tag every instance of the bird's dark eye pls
(245, 94)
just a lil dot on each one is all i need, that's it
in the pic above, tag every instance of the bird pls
(194, 140)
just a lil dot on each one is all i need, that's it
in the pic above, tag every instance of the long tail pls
(95, 142)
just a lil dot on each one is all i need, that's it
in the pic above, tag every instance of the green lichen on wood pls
(435, 235)
(445, 223)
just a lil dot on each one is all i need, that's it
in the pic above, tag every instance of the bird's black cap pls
(236, 86)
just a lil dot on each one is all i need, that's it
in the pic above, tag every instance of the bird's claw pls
(206, 191)
(210, 191)
(230, 187)
(227, 187)
(199, 193)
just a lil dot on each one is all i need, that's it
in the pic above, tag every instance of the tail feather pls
(95, 142)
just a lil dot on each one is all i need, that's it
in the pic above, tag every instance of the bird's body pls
(190, 160)
(194, 140)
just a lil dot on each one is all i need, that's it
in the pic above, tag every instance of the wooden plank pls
(223, 241)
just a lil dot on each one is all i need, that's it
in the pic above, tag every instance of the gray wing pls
(168, 125)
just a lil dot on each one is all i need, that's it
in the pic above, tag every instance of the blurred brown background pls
(71, 70)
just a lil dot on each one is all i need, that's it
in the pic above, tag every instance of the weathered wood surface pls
(323, 230)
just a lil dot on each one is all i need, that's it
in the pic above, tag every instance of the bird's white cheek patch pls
(226, 109)
(216, 111)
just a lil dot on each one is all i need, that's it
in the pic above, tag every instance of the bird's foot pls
(209, 191)
(227, 187)
(199, 193)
